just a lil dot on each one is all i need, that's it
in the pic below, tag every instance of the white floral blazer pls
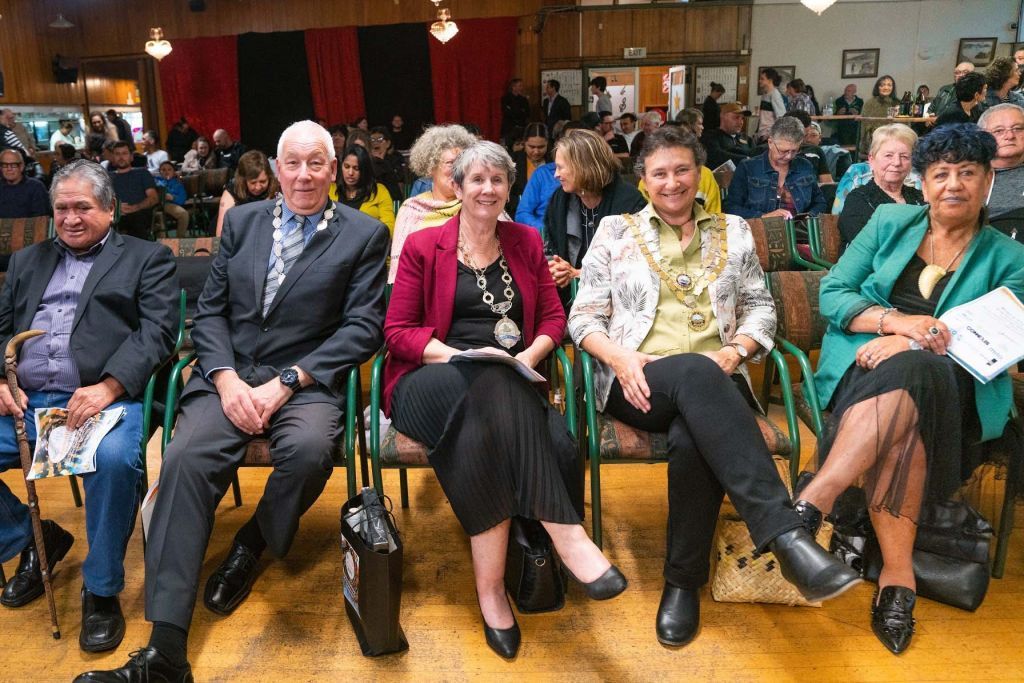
(618, 292)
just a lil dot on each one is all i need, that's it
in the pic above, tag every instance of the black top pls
(712, 113)
(861, 204)
(906, 296)
(472, 320)
(515, 112)
(230, 188)
(816, 155)
(721, 147)
(618, 144)
(958, 115)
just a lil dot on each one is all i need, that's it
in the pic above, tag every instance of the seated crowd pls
(621, 238)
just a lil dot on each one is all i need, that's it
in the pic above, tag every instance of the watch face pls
(290, 378)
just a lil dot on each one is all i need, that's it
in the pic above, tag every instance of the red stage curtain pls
(470, 72)
(199, 80)
(334, 74)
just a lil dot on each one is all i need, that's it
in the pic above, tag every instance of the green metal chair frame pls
(816, 227)
(175, 386)
(376, 391)
(593, 435)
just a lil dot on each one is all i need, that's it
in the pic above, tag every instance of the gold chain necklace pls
(682, 284)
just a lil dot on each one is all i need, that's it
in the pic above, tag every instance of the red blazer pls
(424, 293)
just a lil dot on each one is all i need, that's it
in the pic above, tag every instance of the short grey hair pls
(992, 111)
(308, 130)
(789, 129)
(487, 153)
(90, 172)
(651, 117)
(435, 141)
(900, 132)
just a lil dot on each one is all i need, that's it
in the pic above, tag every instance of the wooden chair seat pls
(620, 442)
(257, 454)
(18, 233)
(399, 450)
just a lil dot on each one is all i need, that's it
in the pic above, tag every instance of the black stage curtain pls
(395, 65)
(273, 84)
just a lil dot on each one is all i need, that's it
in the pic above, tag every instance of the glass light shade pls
(443, 29)
(157, 47)
(818, 6)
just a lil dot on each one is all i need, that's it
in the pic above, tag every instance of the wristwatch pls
(290, 378)
(742, 350)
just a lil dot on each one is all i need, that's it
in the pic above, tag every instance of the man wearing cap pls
(728, 141)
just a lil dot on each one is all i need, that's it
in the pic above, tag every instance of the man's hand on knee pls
(237, 402)
(269, 397)
(7, 404)
(87, 401)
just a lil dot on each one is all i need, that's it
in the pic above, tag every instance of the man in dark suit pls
(295, 298)
(556, 108)
(107, 303)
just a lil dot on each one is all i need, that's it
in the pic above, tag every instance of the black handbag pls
(950, 555)
(533, 572)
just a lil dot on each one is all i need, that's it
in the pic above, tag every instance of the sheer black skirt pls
(497, 447)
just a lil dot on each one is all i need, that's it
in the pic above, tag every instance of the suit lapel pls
(40, 277)
(261, 258)
(318, 243)
(446, 269)
(106, 259)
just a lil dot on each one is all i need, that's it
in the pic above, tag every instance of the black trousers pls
(205, 452)
(715, 447)
(138, 224)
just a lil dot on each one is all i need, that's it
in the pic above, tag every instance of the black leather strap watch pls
(290, 378)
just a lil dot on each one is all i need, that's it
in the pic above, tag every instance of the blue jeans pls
(111, 493)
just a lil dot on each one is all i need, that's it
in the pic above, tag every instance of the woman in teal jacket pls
(904, 414)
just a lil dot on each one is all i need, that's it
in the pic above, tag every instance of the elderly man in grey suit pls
(294, 299)
(108, 305)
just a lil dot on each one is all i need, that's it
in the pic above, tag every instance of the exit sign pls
(634, 52)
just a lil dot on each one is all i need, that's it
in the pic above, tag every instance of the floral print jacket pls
(618, 292)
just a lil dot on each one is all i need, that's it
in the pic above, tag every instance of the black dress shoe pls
(147, 665)
(230, 584)
(504, 641)
(678, 615)
(102, 622)
(27, 583)
(604, 587)
(810, 515)
(892, 617)
(817, 574)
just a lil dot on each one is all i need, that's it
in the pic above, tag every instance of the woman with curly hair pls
(1002, 78)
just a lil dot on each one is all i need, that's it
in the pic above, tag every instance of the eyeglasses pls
(12, 164)
(784, 153)
(377, 139)
(999, 132)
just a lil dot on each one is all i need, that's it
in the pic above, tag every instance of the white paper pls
(60, 452)
(505, 359)
(987, 333)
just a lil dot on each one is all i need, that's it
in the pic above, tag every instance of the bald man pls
(274, 352)
(946, 97)
(226, 151)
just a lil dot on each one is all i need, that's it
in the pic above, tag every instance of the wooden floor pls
(293, 627)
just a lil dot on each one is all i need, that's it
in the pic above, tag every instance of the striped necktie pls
(286, 251)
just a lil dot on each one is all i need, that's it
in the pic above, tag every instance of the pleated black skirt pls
(497, 447)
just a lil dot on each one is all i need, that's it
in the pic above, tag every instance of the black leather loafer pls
(810, 515)
(678, 615)
(102, 623)
(147, 665)
(817, 574)
(230, 584)
(604, 587)
(892, 617)
(27, 583)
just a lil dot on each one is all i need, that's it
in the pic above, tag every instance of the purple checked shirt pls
(46, 362)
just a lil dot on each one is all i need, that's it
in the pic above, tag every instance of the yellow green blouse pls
(670, 334)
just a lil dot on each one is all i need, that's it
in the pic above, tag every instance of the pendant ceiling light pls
(156, 46)
(444, 29)
(818, 6)
(61, 22)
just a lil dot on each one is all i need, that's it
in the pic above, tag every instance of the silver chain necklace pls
(278, 266)
(506, 332)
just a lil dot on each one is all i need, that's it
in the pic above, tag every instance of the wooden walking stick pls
(11, 369)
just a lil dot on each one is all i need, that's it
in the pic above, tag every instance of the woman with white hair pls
(497, 447)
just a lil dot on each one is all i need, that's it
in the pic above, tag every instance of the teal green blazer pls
(867, 273)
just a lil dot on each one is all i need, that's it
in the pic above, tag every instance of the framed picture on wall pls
(860, 63)
(977, 51)
(787, 73)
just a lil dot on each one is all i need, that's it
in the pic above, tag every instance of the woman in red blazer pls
(498, 448)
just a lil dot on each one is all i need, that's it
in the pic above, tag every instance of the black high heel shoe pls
(503, 641)
(892, 617)
(604, 587)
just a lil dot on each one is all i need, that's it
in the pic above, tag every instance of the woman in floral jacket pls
(672, 301)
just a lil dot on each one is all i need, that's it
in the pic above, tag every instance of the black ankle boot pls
(810, 515)
(678, 615)
(892, 617)
(817, 574)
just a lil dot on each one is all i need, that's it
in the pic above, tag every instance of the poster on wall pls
(676, 91)
(621, 88)
(704, 76)
(570, 81)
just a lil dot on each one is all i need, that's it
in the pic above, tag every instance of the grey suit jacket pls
(127, 316)
(326, 317)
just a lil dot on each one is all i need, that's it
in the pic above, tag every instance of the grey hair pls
(435, 141)
(90, 172)
(487, 153)
(893, 131)
(308, 130)
(992, 111)
(651, 117)
(789, 129)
